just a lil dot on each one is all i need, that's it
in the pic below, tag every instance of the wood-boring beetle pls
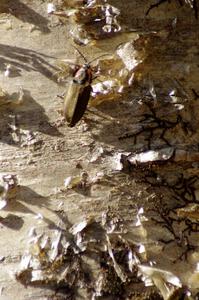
(78, 93)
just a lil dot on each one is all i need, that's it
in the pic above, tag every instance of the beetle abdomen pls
(70, 101)
(81, 105)
(75, 102)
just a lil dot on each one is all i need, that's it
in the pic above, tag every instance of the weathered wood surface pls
(42, 151)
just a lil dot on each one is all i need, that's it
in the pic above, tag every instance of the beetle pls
(78, 93)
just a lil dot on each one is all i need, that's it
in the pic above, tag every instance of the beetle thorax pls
(82, 75)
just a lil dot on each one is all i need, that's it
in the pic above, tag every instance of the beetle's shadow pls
(26, 14)
(29, 115)
(109, 123)
(25, 59)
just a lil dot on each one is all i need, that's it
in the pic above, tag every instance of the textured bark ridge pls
(108, 209)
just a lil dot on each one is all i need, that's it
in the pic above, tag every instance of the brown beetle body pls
(78, 94)
(79, 91)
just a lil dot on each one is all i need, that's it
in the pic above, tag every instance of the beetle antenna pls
(98, 57)
(85, 57)
(81, 54)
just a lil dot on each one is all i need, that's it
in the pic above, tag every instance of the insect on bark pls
(78, 93)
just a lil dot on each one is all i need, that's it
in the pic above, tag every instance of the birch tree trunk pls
(100, 209)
